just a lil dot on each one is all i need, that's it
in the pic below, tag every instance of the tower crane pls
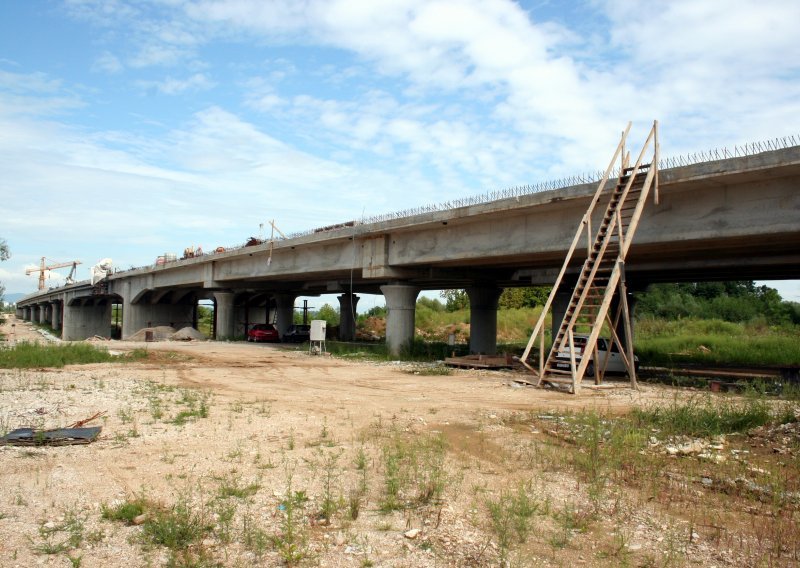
(41, 270)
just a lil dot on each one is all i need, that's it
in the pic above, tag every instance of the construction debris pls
(481, 361)
(55, 437)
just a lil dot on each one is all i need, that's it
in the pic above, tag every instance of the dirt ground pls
(197, 421)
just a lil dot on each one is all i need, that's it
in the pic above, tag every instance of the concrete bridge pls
(735, 218)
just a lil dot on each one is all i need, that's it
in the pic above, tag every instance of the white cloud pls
(107, 63)
(173, 86)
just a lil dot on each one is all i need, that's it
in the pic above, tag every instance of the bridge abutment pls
(401, 304)
(347, 316)
(483, 303)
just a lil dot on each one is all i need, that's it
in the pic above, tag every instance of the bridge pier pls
(225, 316)
(401, 304)
(42, 314)
(347, 316)
(284, 312)
(55, 315)
(483, 303)
(559, 308)
(82, 321)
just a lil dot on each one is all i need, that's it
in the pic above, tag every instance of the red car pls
(263, 332)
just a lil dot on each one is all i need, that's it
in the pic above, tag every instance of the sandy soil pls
(279, 419)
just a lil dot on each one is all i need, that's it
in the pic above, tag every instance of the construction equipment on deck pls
(601, 278)
(43, 268)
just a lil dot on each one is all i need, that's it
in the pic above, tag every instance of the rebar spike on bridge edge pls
(530, 189)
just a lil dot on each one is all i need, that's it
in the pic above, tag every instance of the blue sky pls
(131, 129)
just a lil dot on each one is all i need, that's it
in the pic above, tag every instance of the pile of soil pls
(188, 333)
(160, 333)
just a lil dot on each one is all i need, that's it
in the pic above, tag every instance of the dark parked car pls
(263, 332)
(297, 333)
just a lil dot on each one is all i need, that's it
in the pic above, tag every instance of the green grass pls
(692, 341)
(32, 355)
(124, 512)
(705, 416)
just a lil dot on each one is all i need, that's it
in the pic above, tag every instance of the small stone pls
(634, 547)
(339, 539)
(140, 519)
(413, 533)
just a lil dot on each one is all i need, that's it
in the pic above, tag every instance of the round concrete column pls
(401, 303)
(284, 312)
(42, 313)
(225, 315)
(347, 316)
(483, 319)
(55, 315)
(26, 313)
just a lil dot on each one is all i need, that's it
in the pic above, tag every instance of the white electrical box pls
(318, 330)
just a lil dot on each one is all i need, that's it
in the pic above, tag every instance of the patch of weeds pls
(331, 499)
(231, 485)
(705, 416)
(414, 472)
(254, 538)
(361, 459)
(291, 541)
(61, 537)
(324, 438)
(265, 409)
(197, 406)
(37, 355)
(125, 415)
(571, 521)
(510, 518)
(176, 528)
(196, 556)
(224, 512)
(156, 408)
(124, 512)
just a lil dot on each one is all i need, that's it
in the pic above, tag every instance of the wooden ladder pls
(601, 277)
